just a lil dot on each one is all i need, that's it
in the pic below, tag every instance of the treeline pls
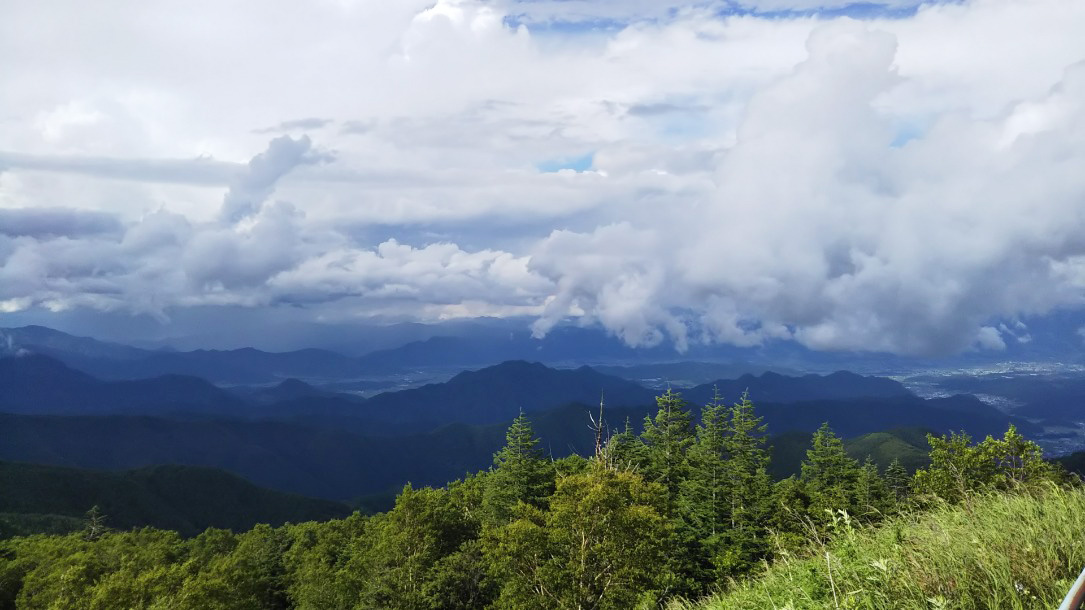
(680, 510)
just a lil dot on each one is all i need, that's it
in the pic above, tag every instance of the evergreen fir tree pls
(830, 475)
(749, 490)
(873, 497)
(705, 504)
(898, 480)
(520, 474)
(668, 436)
(625, 451)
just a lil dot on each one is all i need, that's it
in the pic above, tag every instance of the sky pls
(893, 176)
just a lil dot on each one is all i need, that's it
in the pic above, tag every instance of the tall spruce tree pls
(898, 480)
(873, 498)
(726, 496)
(704, 501)
(668, 437)
(831, 476)
(520, 474)
(749, 490)
(625, 450)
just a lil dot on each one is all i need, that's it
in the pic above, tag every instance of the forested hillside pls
(182, 498)
(298, 439)
(675, 511)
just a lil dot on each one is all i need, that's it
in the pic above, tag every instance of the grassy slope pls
(1008, 551)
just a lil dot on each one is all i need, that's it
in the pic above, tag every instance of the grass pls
(1004, 551)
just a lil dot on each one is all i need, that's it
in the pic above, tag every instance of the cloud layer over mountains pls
(903, 180)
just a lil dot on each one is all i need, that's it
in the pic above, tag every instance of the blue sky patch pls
(578, 164)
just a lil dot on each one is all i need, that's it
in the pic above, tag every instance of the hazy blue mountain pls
(42, 340)
(686, 374)
(183, 498)
(287, 389)
(485, 344)
(498, 393)
(777, 388)
(1056, 396)
(116, 362)
(246, 365)
(40, 384)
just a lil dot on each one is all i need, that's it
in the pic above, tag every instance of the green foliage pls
(14, 524)
(907, 445)
(1008, 551)
(520, 474)
(406, 547)
(668, 436)
(832, 478)
(625, 450)
(316, 564)
(959, 468)
(676, 511)
(182, 498)
(898, 480)
(726, 496)
(601, 545)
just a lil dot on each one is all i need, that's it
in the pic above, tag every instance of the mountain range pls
(297, 438)
(301, 437)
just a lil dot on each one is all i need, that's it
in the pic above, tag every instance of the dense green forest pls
(189, 499)
(681, 510)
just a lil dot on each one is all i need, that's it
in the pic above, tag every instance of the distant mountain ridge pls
(497, 393)
(120, 362)
(471, 346)
(43, 340)
(777, 388)
(40, 384)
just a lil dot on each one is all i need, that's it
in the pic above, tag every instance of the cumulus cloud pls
(253, 186)
(821, 230)
(760, 170)
(260, 253)
(56, 222)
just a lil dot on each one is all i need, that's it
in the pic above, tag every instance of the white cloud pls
(892, 183)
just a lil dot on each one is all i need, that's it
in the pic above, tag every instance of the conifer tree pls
(705, 502)
(749, 489)
(830, 475)
(520, 473)
(667, 439)
(95, 526)
(625, 451)
(668, 436)
(872, 497)
(898, 480)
